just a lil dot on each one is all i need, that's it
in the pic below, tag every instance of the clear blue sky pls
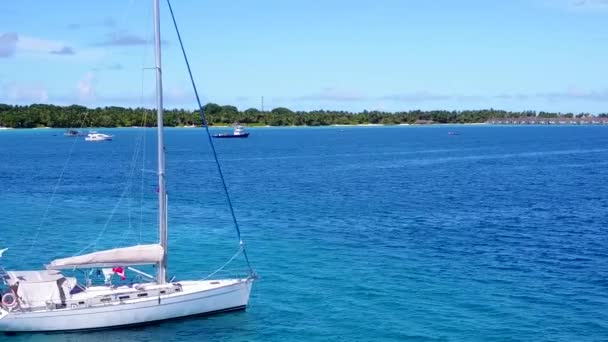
(333, 54)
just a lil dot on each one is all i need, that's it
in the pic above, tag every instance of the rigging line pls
(204, 119)
(56, 187)
(143, 164)
(130, 181)
(144, 122)
(129, 184)
(139, 140)
(241, 248)
(114, 209)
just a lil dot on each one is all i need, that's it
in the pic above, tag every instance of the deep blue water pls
(358, 233)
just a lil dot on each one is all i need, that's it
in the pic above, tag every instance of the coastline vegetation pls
(75, 116)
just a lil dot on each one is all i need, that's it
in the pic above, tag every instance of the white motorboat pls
(94, 136)
(49, 300)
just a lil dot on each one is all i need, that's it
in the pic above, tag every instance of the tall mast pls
(161, 274)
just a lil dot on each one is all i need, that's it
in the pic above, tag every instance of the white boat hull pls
(195, 299)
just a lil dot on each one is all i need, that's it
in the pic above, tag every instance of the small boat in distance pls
(94, 136)
(73, 133)
(239, 132)
(453, 133)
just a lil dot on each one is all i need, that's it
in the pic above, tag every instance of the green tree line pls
(45, 115)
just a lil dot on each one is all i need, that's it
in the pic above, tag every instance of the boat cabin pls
(38, 289)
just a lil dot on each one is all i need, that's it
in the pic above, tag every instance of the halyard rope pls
(204, 119)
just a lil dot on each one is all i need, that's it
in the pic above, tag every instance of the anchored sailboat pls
(47, 300)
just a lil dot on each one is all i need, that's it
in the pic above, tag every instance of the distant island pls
(45, 115)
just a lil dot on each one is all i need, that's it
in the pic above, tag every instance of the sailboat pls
(47, 300)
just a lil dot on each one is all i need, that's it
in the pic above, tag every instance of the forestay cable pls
(204, 119)
(66, 164)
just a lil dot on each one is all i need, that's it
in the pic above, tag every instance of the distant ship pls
(239, 132)
(73, 133)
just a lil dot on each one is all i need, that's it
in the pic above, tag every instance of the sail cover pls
(135, 255)
(38, 288)
(14, 277)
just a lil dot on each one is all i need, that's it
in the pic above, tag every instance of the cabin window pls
(215, 282)
(80, 303)
(177, 289)
(105, 299)
(163, 292)
(142, 295)
(124, 297)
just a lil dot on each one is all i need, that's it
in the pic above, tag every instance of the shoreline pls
(305, 126)
(256, 126)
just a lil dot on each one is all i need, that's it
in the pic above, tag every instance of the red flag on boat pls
(120, 271)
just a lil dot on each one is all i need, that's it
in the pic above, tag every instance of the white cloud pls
(84, 88)
(35, 45)
(589, 3)
(8, 44)
(123, 38)
(334, 94)
(419, 96)
(111, 67)
(579, 6)
(574, 93)
(576, 5)
(14, 92)
(176, 93)
(13, 43)
(66, 50)
(105, 23)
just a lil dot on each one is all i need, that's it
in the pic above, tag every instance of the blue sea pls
(357, 233)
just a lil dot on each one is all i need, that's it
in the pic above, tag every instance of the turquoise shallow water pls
(358, 233)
